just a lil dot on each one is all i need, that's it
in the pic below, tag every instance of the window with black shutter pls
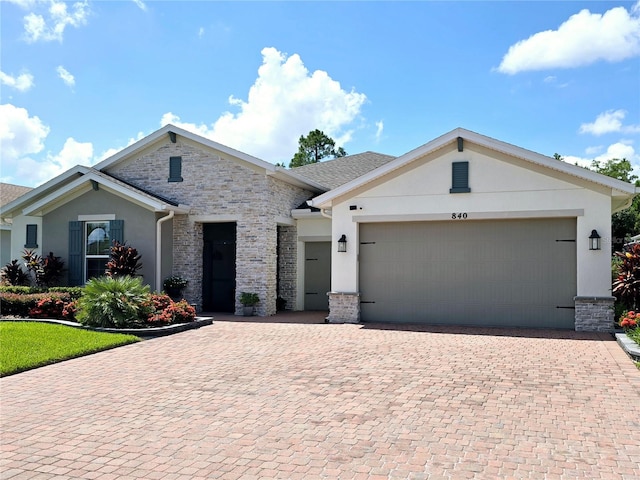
(175, 169)
(460, 177)
(32, 236)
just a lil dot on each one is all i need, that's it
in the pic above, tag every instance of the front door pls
(317, 275)
(219, 267)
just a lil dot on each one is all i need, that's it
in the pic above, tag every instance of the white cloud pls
(113, 151)
(66, 77)
(609, 122)
(22, 82)
(37, 172)
(200, 32)
(141, 5)
(619, 150)
(285, 101)
(48, 24)
(20, 134)
(583, 39)
(379, 129)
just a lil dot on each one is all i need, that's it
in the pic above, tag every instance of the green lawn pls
(26, 345)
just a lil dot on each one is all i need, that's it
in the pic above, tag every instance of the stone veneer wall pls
(216, 185)
(287, 254)
(344, 307)
(594, 314)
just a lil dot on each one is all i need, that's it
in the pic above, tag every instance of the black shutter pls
(75, 253)
(175, 169)
(460, 177)
(116, 231)
(32, 236)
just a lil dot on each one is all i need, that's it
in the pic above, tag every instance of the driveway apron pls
(291, 399)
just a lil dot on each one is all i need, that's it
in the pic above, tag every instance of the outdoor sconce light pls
(594, 240)
(342, 243)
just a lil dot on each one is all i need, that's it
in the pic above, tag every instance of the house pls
(465, 229)
(8, 193)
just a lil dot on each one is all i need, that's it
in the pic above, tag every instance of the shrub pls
(74, 293)
(182, 312)
(13, 274)
(124, 261)
(51, 271)
(249, 299)
(23, 290)
(626, 286)
(69, 311)
(50, 306)
(166, 312)
(18, 304)
(115, 302)
(175, 281)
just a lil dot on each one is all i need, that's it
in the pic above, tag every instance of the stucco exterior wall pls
(314, 228)
(501, 187)
(19, 235)
(139, 227)
(219, 188)
(5, 246)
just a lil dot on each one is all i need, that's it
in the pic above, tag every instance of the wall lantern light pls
(594, 240)
(342, 243)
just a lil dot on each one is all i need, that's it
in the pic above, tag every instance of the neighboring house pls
(8, 193)
(462, 230)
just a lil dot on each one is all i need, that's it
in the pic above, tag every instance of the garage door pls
(493, 273)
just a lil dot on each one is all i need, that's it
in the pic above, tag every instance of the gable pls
(498, 173)
(493, 166)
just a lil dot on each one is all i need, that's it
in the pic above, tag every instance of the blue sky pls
(82, 80)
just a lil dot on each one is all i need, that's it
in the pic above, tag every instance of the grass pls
(27, 345)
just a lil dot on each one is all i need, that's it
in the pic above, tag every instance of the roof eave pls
(326, 200)
(40, 190)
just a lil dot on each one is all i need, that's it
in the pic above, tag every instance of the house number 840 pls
(458, 216)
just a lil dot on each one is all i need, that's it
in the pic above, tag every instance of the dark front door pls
(317, 275)
(219, 267)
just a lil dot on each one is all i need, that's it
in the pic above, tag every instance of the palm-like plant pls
(124, 260)
(626, 287)
(115, 302)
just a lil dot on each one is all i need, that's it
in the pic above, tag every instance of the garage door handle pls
(310, 259)
(367, 243)
(574, 241)
(570, 308)
(366, 302)
(311, 293)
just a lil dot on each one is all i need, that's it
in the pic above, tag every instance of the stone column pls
(344, 307)
(594, 314)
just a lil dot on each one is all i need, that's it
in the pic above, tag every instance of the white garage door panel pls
(505, 272)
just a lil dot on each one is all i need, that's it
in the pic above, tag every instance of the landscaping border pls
(629, 346)
(150, 332)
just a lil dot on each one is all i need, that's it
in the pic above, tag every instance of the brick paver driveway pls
(241, 399)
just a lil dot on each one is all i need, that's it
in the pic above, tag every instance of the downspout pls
(323, 212)
(159, 223)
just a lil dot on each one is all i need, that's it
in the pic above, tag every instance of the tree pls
(624, 223)
(616, 168)
(315, 147)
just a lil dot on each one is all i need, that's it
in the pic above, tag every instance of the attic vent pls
(460, 177)
(175, 169)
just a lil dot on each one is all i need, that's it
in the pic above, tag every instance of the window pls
(90, 246)
(97, 248)
(460, 177)
(175, 169)
(32, 236)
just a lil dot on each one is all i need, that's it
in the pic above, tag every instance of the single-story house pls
(8, 193)
(464, 230)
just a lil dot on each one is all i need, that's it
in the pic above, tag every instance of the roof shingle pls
(338, 171)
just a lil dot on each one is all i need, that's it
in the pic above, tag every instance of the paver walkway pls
(295, 398)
